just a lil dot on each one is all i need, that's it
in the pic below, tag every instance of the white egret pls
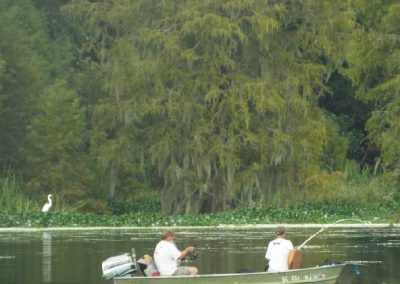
(47, 206)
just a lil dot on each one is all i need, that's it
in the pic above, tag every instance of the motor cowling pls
(117, 266)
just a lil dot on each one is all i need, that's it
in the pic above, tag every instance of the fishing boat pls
(124, 269)
(322, 274)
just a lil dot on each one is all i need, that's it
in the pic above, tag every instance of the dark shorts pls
(182, 270)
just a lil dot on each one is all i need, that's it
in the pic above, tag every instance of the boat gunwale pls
(235, 274)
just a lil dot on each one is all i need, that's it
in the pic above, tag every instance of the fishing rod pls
(295, 255)
(326, 227)
(193, 255)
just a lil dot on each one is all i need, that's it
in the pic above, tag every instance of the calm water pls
(75, 257)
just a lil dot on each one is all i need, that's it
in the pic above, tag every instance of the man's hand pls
(186, 252)
(267, 265)
(190, 249)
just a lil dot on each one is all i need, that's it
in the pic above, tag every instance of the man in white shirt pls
(167, 257)
(278, 251)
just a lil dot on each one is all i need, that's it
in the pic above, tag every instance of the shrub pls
(12, 198)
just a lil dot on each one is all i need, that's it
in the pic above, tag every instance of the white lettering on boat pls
(298, 277)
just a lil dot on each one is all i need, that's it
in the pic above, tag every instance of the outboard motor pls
(120, 265)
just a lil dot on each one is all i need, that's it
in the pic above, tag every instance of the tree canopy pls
(211, 105)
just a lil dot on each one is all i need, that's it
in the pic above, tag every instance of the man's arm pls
(266, 265)
(185, 253)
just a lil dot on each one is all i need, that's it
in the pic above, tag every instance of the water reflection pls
(46, 258)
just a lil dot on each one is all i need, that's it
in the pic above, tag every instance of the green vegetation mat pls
(303, 215)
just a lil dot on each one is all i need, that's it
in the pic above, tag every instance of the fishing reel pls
(193, 255)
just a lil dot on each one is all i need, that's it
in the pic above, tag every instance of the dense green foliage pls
(188, 107)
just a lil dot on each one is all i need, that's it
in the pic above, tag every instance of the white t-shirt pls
(166, 257)
(278, 253)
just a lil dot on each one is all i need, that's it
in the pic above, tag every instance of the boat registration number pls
(298, 277)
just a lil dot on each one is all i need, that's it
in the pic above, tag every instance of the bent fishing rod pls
(326, 227)
(294, 258)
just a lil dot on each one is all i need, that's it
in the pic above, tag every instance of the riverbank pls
(221, 226)
(319, 215)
